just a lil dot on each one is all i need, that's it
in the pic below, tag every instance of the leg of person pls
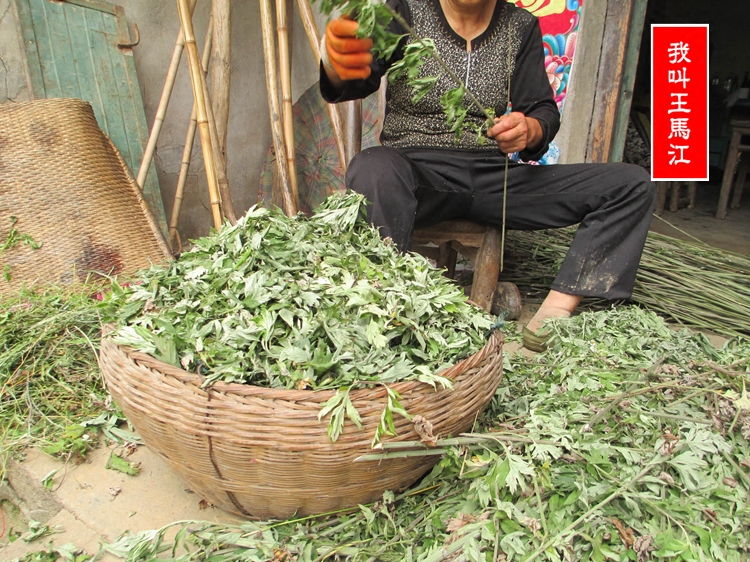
(404, 192)
(613, 204)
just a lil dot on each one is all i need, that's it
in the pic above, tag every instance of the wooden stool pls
(739, 182)
(740, 127)
(673, 190)
(479, 243)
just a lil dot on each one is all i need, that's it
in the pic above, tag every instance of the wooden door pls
(78, 49)
(601, 86)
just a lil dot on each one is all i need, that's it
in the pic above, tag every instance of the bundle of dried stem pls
(693, 284)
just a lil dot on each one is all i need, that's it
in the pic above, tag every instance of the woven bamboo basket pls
(263, 452)
(71, 191)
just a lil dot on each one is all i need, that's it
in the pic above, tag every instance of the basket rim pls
(494, 341)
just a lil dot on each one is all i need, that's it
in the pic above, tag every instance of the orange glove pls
(348, 56)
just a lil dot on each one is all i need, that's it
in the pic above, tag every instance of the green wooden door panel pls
(72, 52)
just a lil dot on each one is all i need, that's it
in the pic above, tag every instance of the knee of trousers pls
(379, 171)
(636, 182)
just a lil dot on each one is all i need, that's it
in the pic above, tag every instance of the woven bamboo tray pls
(262, 452)
(71, 191)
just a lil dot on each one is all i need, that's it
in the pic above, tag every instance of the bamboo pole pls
(198, 83)
(217, 107)
(285, 70)
(290, 204)
(174, 236)
(311, 28)
(161, 111)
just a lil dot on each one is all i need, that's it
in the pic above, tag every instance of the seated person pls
(421, 175)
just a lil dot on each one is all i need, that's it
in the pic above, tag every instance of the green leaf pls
(48, 481)
(339, 406)
(36, 530)
(690, 468)
(374, 335)
(116, 462)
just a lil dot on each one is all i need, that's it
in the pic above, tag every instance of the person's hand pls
(350, 57)
(515, 132)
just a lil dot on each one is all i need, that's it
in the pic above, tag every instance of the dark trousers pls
(612, 203)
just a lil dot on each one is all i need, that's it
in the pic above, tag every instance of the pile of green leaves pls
(319, 303)
(627, 440)
(49, 374)
(690, 283)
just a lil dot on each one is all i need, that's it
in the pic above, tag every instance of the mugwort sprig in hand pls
(373, 19)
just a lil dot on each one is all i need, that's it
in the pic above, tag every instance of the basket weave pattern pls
(72, 192)
(263, 452)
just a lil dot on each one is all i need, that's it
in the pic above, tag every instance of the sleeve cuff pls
(537, 154)
(327, 90)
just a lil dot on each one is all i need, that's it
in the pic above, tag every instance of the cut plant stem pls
(423, 450)
(562, 535)
(400, 455)
(668, 416)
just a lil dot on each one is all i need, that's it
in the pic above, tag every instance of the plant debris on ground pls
(626, 440)
(49, 373)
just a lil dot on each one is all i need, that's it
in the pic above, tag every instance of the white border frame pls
(655, 25)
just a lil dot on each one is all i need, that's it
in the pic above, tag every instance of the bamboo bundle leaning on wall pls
(219, 160)
(174, 237)
(285, 69)
(161, 111)
(289, 202)
(308, 22)
(218, 98)
(198, 83)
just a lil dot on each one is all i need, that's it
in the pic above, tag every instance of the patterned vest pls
(485, 70)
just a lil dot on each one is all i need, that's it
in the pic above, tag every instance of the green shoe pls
(535, 341)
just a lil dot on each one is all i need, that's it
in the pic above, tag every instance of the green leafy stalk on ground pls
(49, 374)
(626, 440)
(67, 552)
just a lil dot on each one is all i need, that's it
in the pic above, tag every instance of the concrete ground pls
(88, 503)
(732, 233)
